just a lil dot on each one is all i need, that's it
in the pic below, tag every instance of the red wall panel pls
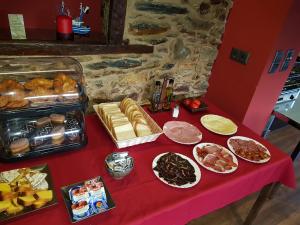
(270, 85)
(253, 26)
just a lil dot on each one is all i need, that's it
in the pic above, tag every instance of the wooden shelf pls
(67, 48)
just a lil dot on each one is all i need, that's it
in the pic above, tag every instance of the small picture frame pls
(276, 61)
(288, 58)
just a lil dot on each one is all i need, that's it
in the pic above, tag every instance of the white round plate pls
(201, 145)
(196, 168)
(182, 132)
(248, 139)
(218, 124)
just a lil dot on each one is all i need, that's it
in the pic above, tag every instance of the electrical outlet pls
(239, 56)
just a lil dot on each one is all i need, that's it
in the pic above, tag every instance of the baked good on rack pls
(17, 104)
(57, 118)
(19, 146)
(3, 101)
(38, 82)
(57, 135)
(9, 84)
(42, 121)
(41, 95)
(63, 83)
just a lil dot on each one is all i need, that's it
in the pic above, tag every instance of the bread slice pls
(26, 200)
(110, 114)
(142, 130)
(4, 205)
(131, 108)
(123, 132)
(107, 107)
(135, 113)
(46, 195)
(114, 121)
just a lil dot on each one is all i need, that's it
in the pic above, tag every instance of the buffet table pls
(140, 197)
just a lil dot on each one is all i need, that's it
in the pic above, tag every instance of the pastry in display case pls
(42, 105)
(34, 136)
(28, 84)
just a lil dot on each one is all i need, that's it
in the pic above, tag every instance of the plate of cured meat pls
(176, 170)
(249, 149)
(182, 132)
(215, 158)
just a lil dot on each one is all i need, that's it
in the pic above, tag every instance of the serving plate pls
(248, 139)
(219, 124)
(201, 145)
(11, 178)
(182, 132)
(188, 185)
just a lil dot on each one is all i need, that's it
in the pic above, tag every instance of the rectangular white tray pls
(156, 130)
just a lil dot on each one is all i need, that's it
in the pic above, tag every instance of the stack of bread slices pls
(124, 120)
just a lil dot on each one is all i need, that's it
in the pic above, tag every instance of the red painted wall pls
(42, 14)
(253, 26)
(270, 86)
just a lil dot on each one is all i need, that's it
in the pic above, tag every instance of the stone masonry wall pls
(185, 35)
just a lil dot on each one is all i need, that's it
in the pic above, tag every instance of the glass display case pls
(42, 105)
(44, 83)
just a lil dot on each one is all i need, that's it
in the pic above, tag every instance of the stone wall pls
(185, 35)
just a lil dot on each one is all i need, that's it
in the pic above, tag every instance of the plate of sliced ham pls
(182, 132)
(249, 149)
(215, 158)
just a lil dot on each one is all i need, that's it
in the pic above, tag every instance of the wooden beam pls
(57, 48)
(116, 21)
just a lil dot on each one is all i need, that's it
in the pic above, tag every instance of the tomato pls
(196, 101)
(187, 101)
(194, 105)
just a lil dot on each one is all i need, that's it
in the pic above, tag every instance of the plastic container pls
(29, 137)
(29, 85)
(32, 89)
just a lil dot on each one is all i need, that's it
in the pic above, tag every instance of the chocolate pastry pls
(175, 169)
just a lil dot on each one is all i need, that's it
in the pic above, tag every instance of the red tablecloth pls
(141, 198)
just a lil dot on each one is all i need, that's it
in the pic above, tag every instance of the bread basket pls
(156, 130)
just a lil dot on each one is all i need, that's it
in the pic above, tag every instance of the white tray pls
(156, 130)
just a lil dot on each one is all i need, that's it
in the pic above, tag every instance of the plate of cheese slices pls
(219, 124)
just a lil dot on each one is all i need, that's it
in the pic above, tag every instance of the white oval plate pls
(197, 171)
(182, 132)
(201, 145)
(248, 139)
(219, 124)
